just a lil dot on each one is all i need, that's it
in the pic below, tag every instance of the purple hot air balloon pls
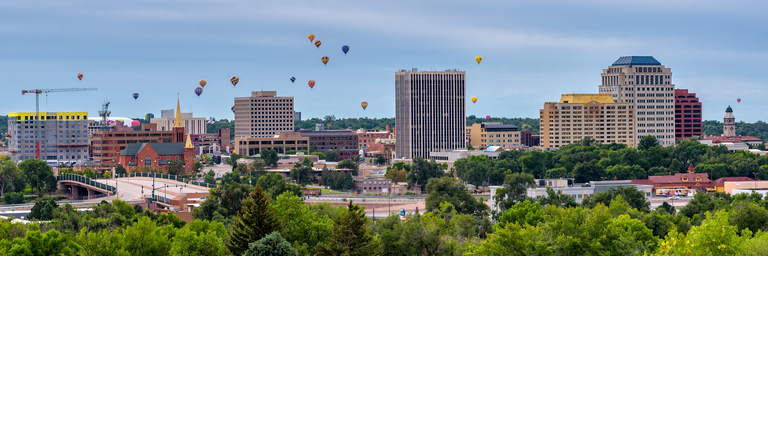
(199, 91)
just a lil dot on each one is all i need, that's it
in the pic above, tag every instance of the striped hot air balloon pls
(345, 48)
(234, 80)
(293, 79)
(149, 116)
(311, 84)
(317, 43)
(324, 60)
(135, 96)
(364, 105)
(80, 76)
(199, 91)
(233, 108)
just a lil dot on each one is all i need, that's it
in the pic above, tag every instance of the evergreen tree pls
(272, 245)
(254, 221)
(350, 236)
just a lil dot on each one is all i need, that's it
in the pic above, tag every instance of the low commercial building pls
(373, 185)
(367, 138)
(343, 142)
(482, 135)
(579, 116)
(282, 142)
(579, 192)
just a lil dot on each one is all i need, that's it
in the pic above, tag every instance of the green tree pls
(422, 170)
(514, 190)
(200, 238)
(120, 170)
(303, 172)
(275, 185)
(145, 238)
(271, 245)
(749, 215)
(303, 226)
(351, 236)
(39, 175)
(10, 176)
(522, 213)
(254, 221)
(647, 142)
(35, 243)
(232, 160)
(43, 210)
(557, 199)
(447, 189)
(176, 167)
(332, 156)
(380, 160)
(630, 194)
(210, 177)
(270, 157)
(348, 164)
(714, 237)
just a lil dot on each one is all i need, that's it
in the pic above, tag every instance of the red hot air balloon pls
(311, 84)
(738, 100)
(135, 123)
(487, 117)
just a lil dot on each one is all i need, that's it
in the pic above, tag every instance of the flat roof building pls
(482, 135)
(263, 114)
(192, 125)
(579, 116)
(687, 115)
(430, 112)
(58, 137)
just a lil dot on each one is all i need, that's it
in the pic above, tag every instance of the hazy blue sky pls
(532, 51)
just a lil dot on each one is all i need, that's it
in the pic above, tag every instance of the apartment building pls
(646, 85)
(430, 112)
(58, 137)
(579, 116)
(687, 115)
(263, 114)
(107, 145)
(343, 142)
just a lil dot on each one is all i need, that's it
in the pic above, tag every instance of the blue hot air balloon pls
(135, 96)
(293, 79)
(199, 91)
(149, 116)
(345, 48)
(233, 108)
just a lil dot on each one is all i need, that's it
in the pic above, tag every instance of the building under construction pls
(61, 137)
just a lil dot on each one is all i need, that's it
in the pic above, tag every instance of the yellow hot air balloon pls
(474, 99)
(311, 37)
(203, 83)
(364, 105)
(478, 59)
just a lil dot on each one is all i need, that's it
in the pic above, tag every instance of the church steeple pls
(178, 124)
(189, 145)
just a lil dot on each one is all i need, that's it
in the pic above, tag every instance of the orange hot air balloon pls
(311, 84)
(203, 83)
(311, 37)
(324, 60)
(364, 105)
(478, 59)
(80, 77)
(474, 99)
(317, 44)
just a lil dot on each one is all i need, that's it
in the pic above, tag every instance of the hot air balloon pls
(135, 96)
(738, 100)
(203, 83)
(234, 80)
(474, 99)
(149, 116)
(311, 37)
(345, 48)
(311, 84)
(324, 60)
(135, 123)
(364, 105)
(233, 108)
(317, 44)
(199, 91)
(293, 79)
(487, 117)
(478, 59)
(80, 77)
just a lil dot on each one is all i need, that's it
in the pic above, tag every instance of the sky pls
(532, 52)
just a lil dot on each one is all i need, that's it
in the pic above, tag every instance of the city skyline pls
(161, 49)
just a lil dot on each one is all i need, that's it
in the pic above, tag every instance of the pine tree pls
(350, 236)
(254, 221)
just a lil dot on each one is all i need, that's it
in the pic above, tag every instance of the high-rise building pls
(430, 112)
(579, 116)
(644, 83)
(59, 137)
(687, 115)
(729, 123)
(263, 114)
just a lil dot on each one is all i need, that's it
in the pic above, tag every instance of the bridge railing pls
(87, 181)
(168, 177)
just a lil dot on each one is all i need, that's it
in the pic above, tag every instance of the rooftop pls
(636, 61)
(587, 98)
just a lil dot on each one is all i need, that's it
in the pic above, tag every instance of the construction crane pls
(37, 94)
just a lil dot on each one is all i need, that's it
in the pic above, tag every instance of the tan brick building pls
(107, 145)
(282, 142)
(579, 116)
(263, 114)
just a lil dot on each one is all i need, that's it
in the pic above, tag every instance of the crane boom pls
(37, 94)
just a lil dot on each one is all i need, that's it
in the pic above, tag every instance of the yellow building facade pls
(579, 116)
(482, 135)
